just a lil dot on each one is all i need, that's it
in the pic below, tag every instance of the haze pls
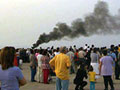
(22, 21)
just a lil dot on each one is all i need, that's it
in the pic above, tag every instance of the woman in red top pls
(15, 61)
(45, 66)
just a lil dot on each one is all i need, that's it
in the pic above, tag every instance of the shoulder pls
(94, 72)
(102, 58)
(39, 55)
(0, 68)
(15, 68)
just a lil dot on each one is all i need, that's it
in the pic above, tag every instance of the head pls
(81, 48)
(74, 46)
(57, 50)
(104, 52)
(70, 49)
(63, 50)
(111, 50)
(85, 44)
(90, 68)
(112, 46)
(94, 50)
(7, 57)
(31, 51)
(92, 46)
(44, 52)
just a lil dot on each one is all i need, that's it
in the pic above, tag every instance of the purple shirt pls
(107, 63)
(9, 78)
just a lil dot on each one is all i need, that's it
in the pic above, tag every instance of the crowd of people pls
(87, 61)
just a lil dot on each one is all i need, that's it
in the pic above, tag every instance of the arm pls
(22, 82)
(68, 63)
(100, 65)
(86, 75)
(52, 64)
(20, 77)
(52, 67)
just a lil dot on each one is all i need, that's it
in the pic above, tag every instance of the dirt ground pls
(40, 86)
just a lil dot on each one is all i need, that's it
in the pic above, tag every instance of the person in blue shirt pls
(11, 77)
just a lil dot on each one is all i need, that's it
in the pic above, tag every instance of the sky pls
(22, 21)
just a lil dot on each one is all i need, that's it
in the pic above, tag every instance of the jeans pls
(33, 72)
(108, 79)
(61, 84)
(92, 85)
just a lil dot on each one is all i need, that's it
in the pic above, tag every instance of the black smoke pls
(98, 22)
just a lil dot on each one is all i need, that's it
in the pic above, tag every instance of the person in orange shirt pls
(60, 65)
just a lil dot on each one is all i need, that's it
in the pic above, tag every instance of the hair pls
(63, 49)
(81, 48)
(31, 51)
(112, 50)
(44, 52)
(91, 68)
(7, 57)
(112, 46)
(95, 50)
(104, 52)
(119, 45)
(57, 50)
(70, 49)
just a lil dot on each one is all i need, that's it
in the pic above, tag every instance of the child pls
(92, 78)
(80, 75)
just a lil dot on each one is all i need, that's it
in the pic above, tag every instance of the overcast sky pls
(22, 21)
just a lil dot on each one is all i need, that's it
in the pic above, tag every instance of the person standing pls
(71, 55)
(81, 55)
(11, 77)
(95, 62)
(33, 65)
(117, 67)
(60, 65)
(118, 63)
(39, 67)
(92, 74)
(45, 66)
(105, 69)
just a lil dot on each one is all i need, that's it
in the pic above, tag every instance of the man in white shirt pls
(39, 69)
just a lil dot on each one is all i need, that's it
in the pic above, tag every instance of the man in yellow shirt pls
(60, 64)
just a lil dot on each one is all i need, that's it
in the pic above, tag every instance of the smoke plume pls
(98, 22)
